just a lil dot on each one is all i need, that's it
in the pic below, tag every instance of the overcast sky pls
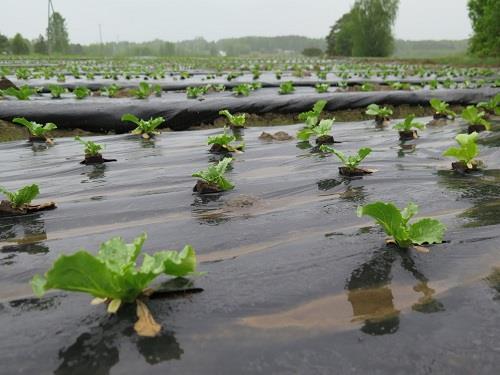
(140, 20)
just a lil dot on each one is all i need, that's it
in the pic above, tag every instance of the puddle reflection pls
(97, 351)
(371, 296)
(406, 149)
(481, 189)
(207, 209)
(23, 234)
(95, 172)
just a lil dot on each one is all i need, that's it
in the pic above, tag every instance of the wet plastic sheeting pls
(294, 283)
(97, 114)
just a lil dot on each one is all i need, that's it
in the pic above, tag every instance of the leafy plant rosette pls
(113, 276)
(466, 152)
(213, 176)
(145, 128)
(90, 148)
(311, 118)
(409, 125)
(475, 117)
(322, 130)
(441, 109)
(396, 224)
(351, 163)
(222, 143)
(36, 130)
(381, 113)
(492, 106)
(236, 121)
(286, 88)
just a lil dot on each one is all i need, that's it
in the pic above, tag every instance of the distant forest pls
(260, 46)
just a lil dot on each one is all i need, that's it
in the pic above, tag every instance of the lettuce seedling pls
(381, 113)
(22, 93)
(22, 197)
(441, 109)
(351, 163)
(237, 121)
(113, 276)
(311, 118)
(467, 150)
(242, 89)
(110, 91)
(81, 92)
(408, 126)
(475, 117)
(91, 149)
(35, 129)
(23, 73)
(492, 106)
(143, 91)
(195, 92)
(145, 128)
(323, 129)
(286, 88)
(321, 88)
(278, 74)
(56, 91)
(214, 175)
(395, 224)
(221, 143)
(367, 87)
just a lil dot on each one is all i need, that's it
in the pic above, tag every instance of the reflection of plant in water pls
(371, 297)
(96, 352)
(406, 149)
(481, 190)
(25, 233)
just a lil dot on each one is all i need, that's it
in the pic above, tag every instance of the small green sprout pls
(492, 106)
(81, 92)
(322, 87)
(214, 175)
(143, 91)
(408, 124)
(475, 117)
(110, 91)
(22, 197)
(395, 224)
(242, 89)
(146, 128)
(441, 108)
(323, 129)
(468, 150)
(380, 113)
(22, 93)
(350, 162)
(286, 88)
(56, 91)
(36, 130)
(90, 148)
(237, 120)
(311, 118)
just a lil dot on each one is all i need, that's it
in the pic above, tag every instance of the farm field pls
(289, 278)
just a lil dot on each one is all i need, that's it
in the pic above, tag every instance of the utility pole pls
(50, 12)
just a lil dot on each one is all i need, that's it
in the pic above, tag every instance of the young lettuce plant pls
(242, 89)
(321, 131)
(221, 144)
(143, 91)
(38, 132)
(195, 92)
(92, 152)
(492, 106)
(145, 128)
(22, 93)
(407, 128)
(311, 118)
(81, 92)
(19, 202)
(110, 91)
(351, 163)
(465, 153)
(475, 119)
(212, 180)
(441, 109)
(56, 91)
(382, 114)
(113, 276)
(286, 88)
(396, 224)
(236, 121)
(322, 88)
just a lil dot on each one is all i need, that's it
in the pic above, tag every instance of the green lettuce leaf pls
(427, 231)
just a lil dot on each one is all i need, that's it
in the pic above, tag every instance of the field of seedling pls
(235, 216)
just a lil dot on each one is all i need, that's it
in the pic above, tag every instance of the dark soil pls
(462, 167)
(344, 171)
(96, 159)
(203, 187)
(476, 128)
(6, 208)
(408, 135)
(325, 140)
(278, 136)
